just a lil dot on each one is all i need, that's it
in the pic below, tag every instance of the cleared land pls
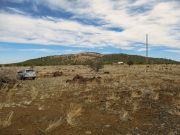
(119, 100)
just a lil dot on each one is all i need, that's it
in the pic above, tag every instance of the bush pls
(130, 62)
(7, 82)
(96, 65)
(7, 78)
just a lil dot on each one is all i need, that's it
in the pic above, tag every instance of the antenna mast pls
(147, 52)
(146, 48)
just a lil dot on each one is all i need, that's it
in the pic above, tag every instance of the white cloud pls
(15, 1)
(141, 50)
(37, 50)
(161, 22)
(174, 51)
(45, 50)
(14, 10)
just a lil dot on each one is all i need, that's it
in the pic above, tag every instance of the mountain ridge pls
(84, 58)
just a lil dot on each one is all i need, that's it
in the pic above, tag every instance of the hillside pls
(86, 57)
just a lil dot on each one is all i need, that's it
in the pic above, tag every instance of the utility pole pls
(147, 61)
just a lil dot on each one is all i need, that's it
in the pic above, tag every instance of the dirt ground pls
(119, 100)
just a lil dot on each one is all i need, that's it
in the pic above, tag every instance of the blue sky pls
(36, 28)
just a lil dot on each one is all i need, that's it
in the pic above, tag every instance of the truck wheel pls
(34, 78)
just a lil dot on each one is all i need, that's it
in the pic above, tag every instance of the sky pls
(36, 28)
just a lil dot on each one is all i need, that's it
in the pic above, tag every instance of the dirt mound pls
(106, 72)
(6, 82)
(81, 79)
(57, 73)
(44, 74)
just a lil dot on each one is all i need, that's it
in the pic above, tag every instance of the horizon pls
(85, 52)
(32, 29)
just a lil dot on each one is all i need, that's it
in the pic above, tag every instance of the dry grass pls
(124, 115)
(112, 97)
(34, 93)
(73, 113)
(1, 106)
(135, 105)
(7, 122)
(128, 99)
(53, 125)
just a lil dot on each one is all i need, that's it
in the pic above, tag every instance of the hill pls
(86, 57)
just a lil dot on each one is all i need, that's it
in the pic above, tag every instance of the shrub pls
(7, 79)
(96, 65)
(7, 82)
(130, 62)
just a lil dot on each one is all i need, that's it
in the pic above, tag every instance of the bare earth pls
(119, 100)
